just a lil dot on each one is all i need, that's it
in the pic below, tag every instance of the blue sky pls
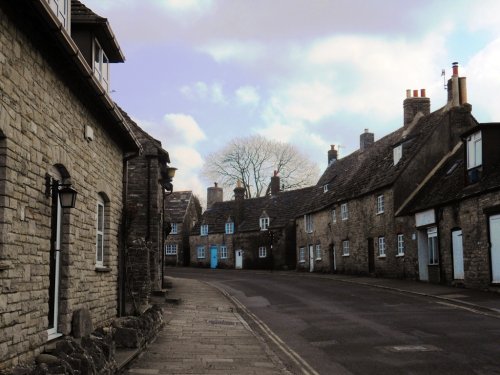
(310, 72)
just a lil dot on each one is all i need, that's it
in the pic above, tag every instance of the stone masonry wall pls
(43, 121)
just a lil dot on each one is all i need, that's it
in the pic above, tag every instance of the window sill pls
(302, 261)
(400, 255)
(345, 255)
(380, 213)
(102, 269)
(170, 255)
(382, 256)
(318, 259)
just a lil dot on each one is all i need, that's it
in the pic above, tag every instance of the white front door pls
(423, 256)
(311, 258)
(495, 248)
(458, 255)
(238, 256)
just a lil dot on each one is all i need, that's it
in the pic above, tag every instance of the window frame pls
(380, 204)
(345, 246)
(204, 230)
(308, 223)
(229, 227)
(401, 244)
(200, 252)
(100, 232)
(174, 228)
(334, 216)
(262, 252)
(100, 64)
(474, 150)
(302, 254)
(171, 249)
(433, 251)
(65, 15)
(382, 247)
(223, 252)
(344, 211)
(264, 223)
(397, 153)
(317, 252)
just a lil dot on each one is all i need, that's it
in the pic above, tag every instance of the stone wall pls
(43, 115)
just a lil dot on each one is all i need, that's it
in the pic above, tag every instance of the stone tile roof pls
(281, 208)
(176, 205)
(84, 17)
(448, 184)
(367, 171)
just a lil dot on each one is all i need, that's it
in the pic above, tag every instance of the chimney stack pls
(239, 192)
(415, 104)
(239, 198)
(214, 195)
(332, 155)
(366, 140)
(457, 88)
(275, 184)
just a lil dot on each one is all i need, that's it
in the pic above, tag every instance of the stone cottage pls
(354, 223)
(255, 233)
(182, 212)
(148, 182)
(60, 134)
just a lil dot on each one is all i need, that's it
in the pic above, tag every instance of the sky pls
(314, 73)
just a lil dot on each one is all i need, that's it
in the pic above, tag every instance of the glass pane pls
(99, 247)
(100, 218)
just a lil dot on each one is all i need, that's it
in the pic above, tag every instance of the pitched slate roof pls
(367, 171)
(281, 208)
(85, 17)
(448, 185)
(176, 205)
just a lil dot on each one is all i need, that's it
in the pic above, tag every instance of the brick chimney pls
(214, 195)
(239, 198)
(275, 184)
(366, 140)
(457, 88)
(332, 155)
(415, 104)
(239, 192)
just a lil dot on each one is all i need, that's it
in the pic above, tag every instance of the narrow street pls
(337, 327)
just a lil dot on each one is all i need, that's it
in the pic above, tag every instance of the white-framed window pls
(302, 255)
(401, 245)
(264, 223)
(223, 252)
(229, 227)
(345, 248)
(174, 228)
(325, 188)
(474, 151)
(171, 249)
(101, 66)
(432, 245)
(62, 10)
(380, 204)
(200, 252)
(262, 252)
(381, 246)
(397, 153)
(334, 216)
(99, 258)
(344, 211)
(318, 251)
(308, 223)
(204, 230)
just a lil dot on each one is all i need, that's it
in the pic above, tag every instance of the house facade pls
(371, 213)
(60, 133)
(255, 233)
(182, 212)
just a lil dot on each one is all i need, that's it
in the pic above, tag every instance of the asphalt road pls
(344, 328)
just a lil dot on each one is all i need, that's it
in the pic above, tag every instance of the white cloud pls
(247, 95)
(186, 127)
(204, 92)
(186, 6)
(243, 52)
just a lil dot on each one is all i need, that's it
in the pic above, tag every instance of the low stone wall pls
(94, 354)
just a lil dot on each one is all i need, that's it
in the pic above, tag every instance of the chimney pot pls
(415, 93)
(454, 67)
(332, 154)
(408, 93)
(422, 93)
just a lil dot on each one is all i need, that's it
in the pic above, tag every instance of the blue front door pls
(213, 256)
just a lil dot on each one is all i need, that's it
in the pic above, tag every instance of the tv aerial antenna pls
(443, 74)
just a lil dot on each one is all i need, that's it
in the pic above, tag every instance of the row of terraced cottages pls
(72, 183)
(421, 203)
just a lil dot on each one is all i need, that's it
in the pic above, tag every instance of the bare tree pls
(252, 161)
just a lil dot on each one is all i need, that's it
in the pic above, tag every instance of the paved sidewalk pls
(204, 334)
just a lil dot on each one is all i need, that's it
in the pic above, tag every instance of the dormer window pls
(264, 222)
(174, 228)
(62, 10)
(325, 188)
(101, 66)
(229, 227)
(474, 151)
(397, 153)
(204, 230)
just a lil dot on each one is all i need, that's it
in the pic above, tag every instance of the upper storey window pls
(474, 151)
(101, 66)
(397, 153)
(62, 10)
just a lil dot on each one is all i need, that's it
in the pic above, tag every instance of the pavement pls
(205, 333)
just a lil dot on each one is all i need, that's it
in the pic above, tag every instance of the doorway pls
(458, 254)
(238, 256)
(213, 256)
(495, 248)
(311, 258)
(371, 256)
